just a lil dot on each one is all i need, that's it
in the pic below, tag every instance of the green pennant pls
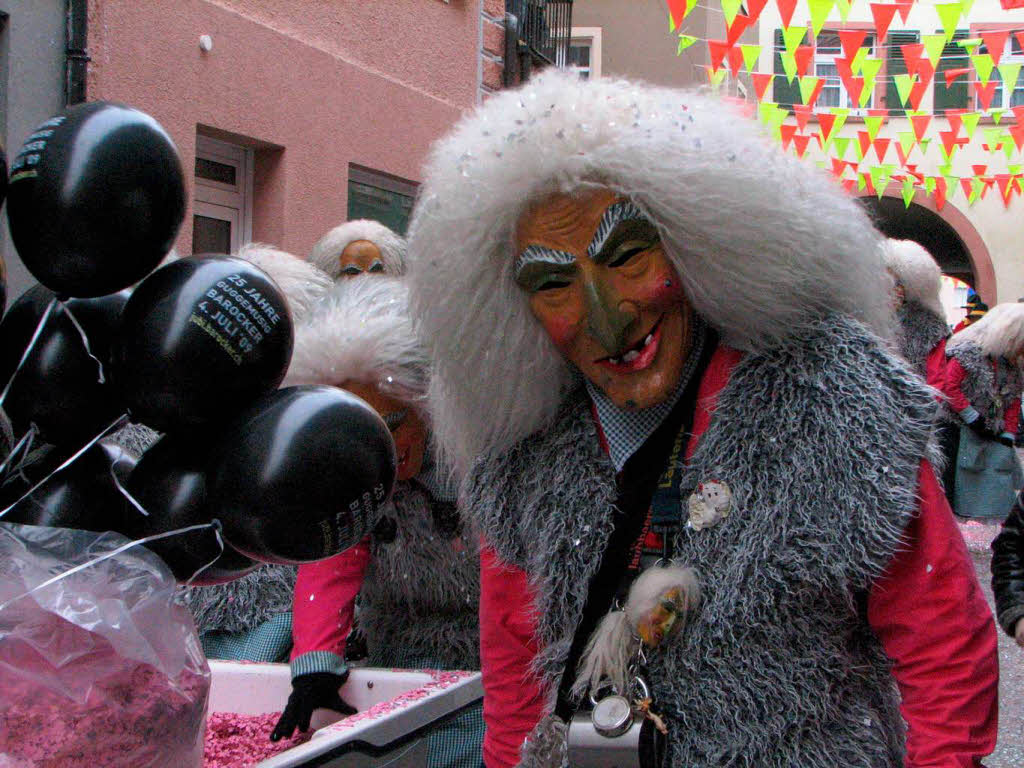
(788, 66)
(929, 184)
(908, 191)
(1009, 73)
(716, 78)
(949, 15)
(997, 114)
(952, 184)
(970, 121)
(970, 44)
(820, 10)
(976, 186)
(751, 53)
(842, 144)
(946, 170)
(904, 84)
(907, 141)
(870, 67)
(923, 144)
(821, 164)
(844, 6)
(873, 123)
(858, 151)
(793, 37)
(807, 86)
(1020, 186)
(730, 8)
(933, 45)
(772, 115)
(983, 65)
(967, 6)
(993, 136)
(950, 153)
(1015, 168)
(861, 182)
(685, 41)
(880, 179)
(1008, 147)
(841, 114)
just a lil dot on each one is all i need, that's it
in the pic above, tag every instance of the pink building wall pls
(311, 85)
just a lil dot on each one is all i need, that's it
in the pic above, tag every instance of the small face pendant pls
(709, 504)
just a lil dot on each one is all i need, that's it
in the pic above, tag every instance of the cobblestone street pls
(1009, 751)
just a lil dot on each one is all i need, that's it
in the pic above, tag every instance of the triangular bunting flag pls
(900, 153)
(734, 30)
(851, 40)
(730, 8)
(907, 142)
(1017, 133)
(908, 192)
(754, 8)
(903, 85)
(983, 65)
(1005, 182)
(761, 83)
(800, 142)
(793, 37)
(735, 61)
(948, 141)
(912, 55)
(923, 144)
(873, 123)
(883, 18)
(685, 41)
(979, 169)
(1009, 73)
(842, 143)
(953, 74)
(996, 115)
(848, 184)
(786, 8)
(787, 132)
(871, 67)
(940, 192)
(955, 118)
(827, 124)
(1018, 113)
(920, 123)
(925, 71)
(857, 63)
(1008, 147)
(810, 87)
(788, 65)
(864, 181)
(802, 113)
(716, 53)
(863, 141)
(949, 15)
(985, 92)
(970, 121)
(904, 6)
(838, 166)
(970, 44)
(968, 188)
(819, 13)
(995, 41)
(933, 45)
(804, 56)
(880, 178)
(855, 88)
(751, 53)
(881, 147)
(929, 184)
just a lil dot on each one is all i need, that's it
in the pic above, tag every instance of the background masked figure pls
(627, 320)
(360, 247)
(1008, 573)
(417, 574)
(250, 618)
(983, 386)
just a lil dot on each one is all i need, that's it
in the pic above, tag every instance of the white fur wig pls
(362, 332)
(917, 271)
(392, 246)
(764, 244)
(999, 333)
(302, 284)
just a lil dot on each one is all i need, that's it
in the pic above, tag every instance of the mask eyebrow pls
(534, 254)
(614, 214)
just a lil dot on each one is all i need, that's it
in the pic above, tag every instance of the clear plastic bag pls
(101, 668)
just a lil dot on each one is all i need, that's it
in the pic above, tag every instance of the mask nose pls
(609, 318)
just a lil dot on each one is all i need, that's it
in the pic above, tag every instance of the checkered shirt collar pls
(626, 431)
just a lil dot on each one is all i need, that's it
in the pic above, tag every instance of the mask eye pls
(351, 269)
(376, 267)
(395, 419)
(551, 284)
(627, 251)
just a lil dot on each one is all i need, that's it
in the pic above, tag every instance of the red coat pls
(935, 366)
(953, 389)
(927, 610)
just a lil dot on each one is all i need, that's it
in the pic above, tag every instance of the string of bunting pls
(928, 63)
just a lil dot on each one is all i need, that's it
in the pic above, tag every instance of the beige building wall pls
(993, 234)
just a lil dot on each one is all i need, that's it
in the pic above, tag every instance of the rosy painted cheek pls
(562, 331)
(659, 288)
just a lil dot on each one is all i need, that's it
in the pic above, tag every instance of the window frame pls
(591, 36)
(226, 202)
(855, 109)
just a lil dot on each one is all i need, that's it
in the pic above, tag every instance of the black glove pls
(316, 690)
(978, 427)
(1005, 439)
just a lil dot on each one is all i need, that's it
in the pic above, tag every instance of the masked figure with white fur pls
(982, 385)
(417, 574)
(646, 356)
(358, 247)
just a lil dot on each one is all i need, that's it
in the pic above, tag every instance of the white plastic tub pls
(395, 706)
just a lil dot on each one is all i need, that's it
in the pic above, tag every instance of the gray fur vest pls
(778, 667)
(422, 589)
(918, 331)
(988, 390)
(243, 604)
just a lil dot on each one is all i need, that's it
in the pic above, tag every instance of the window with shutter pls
(786, 94)
(896, 65)
(953, 57)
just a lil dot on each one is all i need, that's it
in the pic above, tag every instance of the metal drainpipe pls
(76, 54)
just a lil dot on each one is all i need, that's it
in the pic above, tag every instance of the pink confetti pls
(240, 741)
(977, 535)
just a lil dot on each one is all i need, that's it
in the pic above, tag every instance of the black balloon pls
(95, 199)
(169, 482)
(83, 495)
(59, 388)
(3, 194)
(200, 339)
(301, 475)
(25, 470)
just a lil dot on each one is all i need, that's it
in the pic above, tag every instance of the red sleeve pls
(931, 617)
(513, 701)
(1011, 419)
(325, 595)
(935, 367)
(954, 379)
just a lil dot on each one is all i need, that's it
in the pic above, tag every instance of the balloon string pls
(85, 341)
(113, 553)
(120, 486)
(220, 543)
(118, 422)
(28, 349)
(25, 442)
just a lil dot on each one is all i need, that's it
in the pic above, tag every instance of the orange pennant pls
(1020, 37)
(925, 71)
(1017, 132)
(838, 166)
(920, 123)
(1018, 113)
(802, 112)
(736, 61)
(985, 92)
(827, 121)
(677, 10)
(883, 18)
(865, 142)
(1006, 187)
(816, 92)
(788, 132)
(995, 42)
(940, 192)
(881, 147)
(804, 55)
(848, 184)
(912, 55)
(979, 170)
(904, 6)
(716, 52)
(868, 185)
(900, 153)
(761, 83)
(965, 185)
(738, 27)
(800, 142)
(786, 8)
(851, 40)
(955, 121)
(953, 74)
(754, 8)
(948, 141)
